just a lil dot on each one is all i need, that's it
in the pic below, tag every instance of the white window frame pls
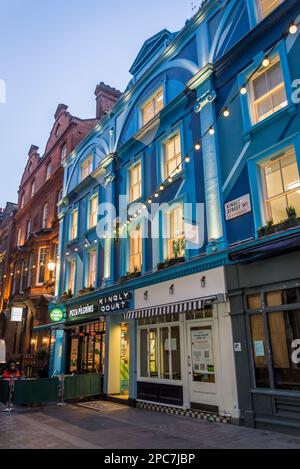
(170, 240)
(158, 379)
(39, 265)
(138, 185)
(92, 215)
(89, 272)
(256, 119)
(166, 162)
(86, 165)
(259, 9)
(152, 99)
(139, 254)
(72, 234)
(267, 200)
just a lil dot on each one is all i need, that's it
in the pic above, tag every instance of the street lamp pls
(51, 267)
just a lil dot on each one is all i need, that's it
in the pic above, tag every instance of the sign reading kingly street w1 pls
(238, 207)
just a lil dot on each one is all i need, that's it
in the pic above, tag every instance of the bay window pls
(172, 155)
(159, 348)
(135, 182)
(281, 186)
(268, 94)
(152, 107)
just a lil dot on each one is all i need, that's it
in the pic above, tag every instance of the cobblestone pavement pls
(119, 427)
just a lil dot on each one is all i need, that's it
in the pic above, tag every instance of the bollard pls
(9, 405)
(62, 403)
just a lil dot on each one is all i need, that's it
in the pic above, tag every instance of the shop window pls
(268, 93)
(254, 301)
(285, 334)
(282, 184)
(73, 225)
(152, 107)
(160, 352)
(136, 250)
(135, 182)
(87, 349)
(176, 242)
(265, 7)
(282, 297)
(86, 168)
(259, 351)
(172, 154)
(93, 212)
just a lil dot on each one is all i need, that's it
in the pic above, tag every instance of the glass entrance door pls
(87, 349)
(124, 365)
(201, 365)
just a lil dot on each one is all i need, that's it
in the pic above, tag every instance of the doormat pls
(196, 414)
(102, 406)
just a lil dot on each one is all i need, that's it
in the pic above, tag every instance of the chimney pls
(33, 151)
(60, 109)
(106, 98)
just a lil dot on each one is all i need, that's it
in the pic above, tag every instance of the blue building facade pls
(193, 172)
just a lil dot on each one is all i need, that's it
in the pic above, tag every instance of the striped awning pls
(173, 308)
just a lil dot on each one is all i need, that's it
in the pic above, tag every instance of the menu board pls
(202, 351)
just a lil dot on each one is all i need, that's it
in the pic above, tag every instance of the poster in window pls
(202, 351)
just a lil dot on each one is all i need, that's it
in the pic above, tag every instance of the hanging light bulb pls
(187, 159)
(149, 201)
(293, 28)
(156, 194)
(161, 188)
(197, 146)
(211, 131)
(266, 62)
(170, 179)
(243, 90)
(226, 112)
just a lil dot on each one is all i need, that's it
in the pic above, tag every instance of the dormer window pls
(86, 168)
(152, 106)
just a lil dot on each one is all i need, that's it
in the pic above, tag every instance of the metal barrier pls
(41, 391)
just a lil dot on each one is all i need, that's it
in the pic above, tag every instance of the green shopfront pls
(83, 335)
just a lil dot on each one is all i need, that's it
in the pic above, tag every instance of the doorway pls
(201, 366)
(124, 362)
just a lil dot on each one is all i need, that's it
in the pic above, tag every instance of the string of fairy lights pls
(134, 216)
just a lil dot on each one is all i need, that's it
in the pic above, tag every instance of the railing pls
(44, 390)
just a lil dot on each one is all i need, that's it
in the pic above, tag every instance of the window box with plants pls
(178, 251)
(67, 295)
(292, 221)
(86, 290)
(131, 275)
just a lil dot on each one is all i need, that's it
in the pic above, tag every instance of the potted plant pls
(178, 250)
(67, 295)
(130, 275)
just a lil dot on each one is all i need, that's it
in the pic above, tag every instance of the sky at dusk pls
(56, 51)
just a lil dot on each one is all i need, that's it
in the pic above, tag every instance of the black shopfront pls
(265, 310)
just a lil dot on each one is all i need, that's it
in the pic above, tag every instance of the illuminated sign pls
(56, 315)
(16, 314)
